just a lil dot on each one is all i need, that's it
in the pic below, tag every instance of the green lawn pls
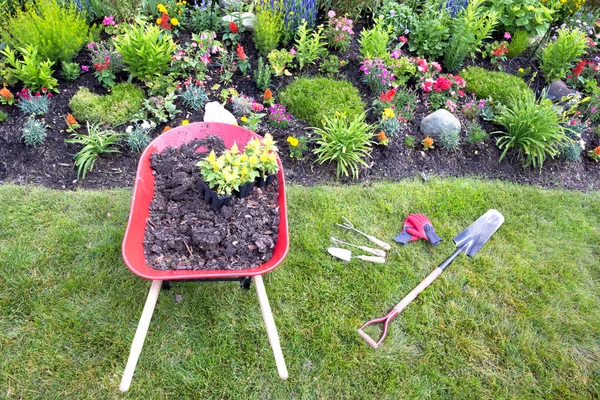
(520, 320)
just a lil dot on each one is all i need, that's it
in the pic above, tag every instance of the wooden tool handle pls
(378, 260)
(379, 243)
(375, 252)
(420, 287)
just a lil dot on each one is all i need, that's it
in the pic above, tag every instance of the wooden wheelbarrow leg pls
(140, 335)
(265, 308)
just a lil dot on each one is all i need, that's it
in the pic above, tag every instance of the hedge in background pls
(312, 99)
(500, 86)
(112, 109)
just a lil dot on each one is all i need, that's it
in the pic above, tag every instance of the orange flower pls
(6, 94)
(428, 142)
(71, 120)
(268, 95)
(381, 136)
(167, 129)
(597, 151)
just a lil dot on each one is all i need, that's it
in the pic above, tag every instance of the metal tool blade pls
(479, 232)
(343, 254)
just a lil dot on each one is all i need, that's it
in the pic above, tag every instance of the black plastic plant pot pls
(217, 202)
(244, 190)
(202, 188)
(262, 182)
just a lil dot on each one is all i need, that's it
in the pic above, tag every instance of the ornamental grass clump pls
(30, 103)
(97, 141)
(344, 140)
(532, 130)
(194, 97)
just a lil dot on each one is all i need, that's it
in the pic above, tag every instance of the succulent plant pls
(194, 97)
(34, 132)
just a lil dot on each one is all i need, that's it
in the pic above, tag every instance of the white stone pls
(439, 121)
(248, 19)
(215, 112)
(227, 4)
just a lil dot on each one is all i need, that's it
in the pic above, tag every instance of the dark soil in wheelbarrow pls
(183, 232)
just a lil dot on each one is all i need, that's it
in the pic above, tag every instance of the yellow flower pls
(292, 141)
(253, 160)
(521, 70)
(185, 122)
(264, 158)
(244, 119)
(174, 21)
(388, 113)
(291, 13)
(162, 9)
(234, 149)
(158, 21)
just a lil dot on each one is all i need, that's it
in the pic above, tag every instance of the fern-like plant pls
(97, 141)
(558, 57)
(309, 47)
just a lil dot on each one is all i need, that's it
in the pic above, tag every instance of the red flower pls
(240, 53)
(164, 22)
(233, 27)
(388, 96)
(579, 68)
(442, 83)
(500, 51)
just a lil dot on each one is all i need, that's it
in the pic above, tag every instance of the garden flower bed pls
(400, 70)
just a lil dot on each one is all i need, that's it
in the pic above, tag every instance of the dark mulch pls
(183, 232)
(52, 164)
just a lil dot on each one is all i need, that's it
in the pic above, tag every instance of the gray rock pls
(248, 19)
(439, 121)
(557, 90)
(215, 112)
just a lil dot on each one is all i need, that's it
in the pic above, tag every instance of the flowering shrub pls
(442, 90)
(376, 74)
(34, 104)
(107, 62)
(339, 31)
(397, 16)
(473, 108)
(584, 73)
(586, 22)
(278, 117)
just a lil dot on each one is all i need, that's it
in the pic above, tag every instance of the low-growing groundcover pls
(519, 320)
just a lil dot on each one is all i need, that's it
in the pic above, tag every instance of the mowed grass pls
(520, 320)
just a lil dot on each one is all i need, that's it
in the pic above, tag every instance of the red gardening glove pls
(422, 228)
(404, 237)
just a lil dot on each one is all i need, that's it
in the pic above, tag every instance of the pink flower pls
(460, 82)
(91, 45)
(257, 107)
(427, 85)
(422, 65)
(109, 20)
(403, 39)
(507, 35)
(85, 68)
(436, 66)
(293, 51)
(331, 14)
(50, 95)
(442, 83)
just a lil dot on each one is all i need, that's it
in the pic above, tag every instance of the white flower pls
(146, 125)
(581, 144)
(129, 129)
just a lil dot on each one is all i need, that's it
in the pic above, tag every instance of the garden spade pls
(468, 242)
(346, 255)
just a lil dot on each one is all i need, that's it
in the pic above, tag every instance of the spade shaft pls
(469, 242)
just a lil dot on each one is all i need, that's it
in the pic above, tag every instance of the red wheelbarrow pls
(133, 248)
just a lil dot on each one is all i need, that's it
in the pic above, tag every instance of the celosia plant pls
(6, 97)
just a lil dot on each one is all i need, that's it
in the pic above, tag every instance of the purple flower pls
(109, 20)
(507, 35)
(91, 45)
(85, 68)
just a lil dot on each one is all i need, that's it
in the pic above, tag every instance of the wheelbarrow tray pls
(143, 193)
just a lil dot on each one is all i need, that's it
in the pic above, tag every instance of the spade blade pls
(474, 237)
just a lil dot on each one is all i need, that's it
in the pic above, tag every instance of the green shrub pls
(309, 46)
(500, 86)
(146, 50)
(558, 57)
(530, 15)
(3, 116)
(32, 71)
(430, 32)
(97, 141)
(373, 42)
(70, 71)
(476, 134)
(112, 109)
(314, 99)
(268, 29)
(58, 30)
(533, 130)
(518, 44)
(344, 140)
(571, 151)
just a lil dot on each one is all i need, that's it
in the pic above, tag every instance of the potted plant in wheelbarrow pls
(173, 234)
(264, 159)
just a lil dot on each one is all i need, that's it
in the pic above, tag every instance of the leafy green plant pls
(373, 42)
(279, 60)
(203, 18)
(194, 97)
(449, 139)
(312, 99)
(57, 28)
(138, 136)
(345, 141)
(269, 27)
(146, 50)
(112, 109)
(219, 175)
(32, 71)
(3, 116)
(518, 43)
(265, 151)
(397, 16)
(262, 75)
(410, 141)
(309, 47)
(353, 8)
(476, 134)
(97, 141)
(330, 66)
(533, 130)
(160, 108)
(500, 86)
(430, 32)
(70, 71)
(558, 57)
(34, 132)
(530, 15)
(469, 29)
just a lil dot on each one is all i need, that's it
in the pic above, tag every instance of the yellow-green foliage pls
(112, 109)
(58, 31)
